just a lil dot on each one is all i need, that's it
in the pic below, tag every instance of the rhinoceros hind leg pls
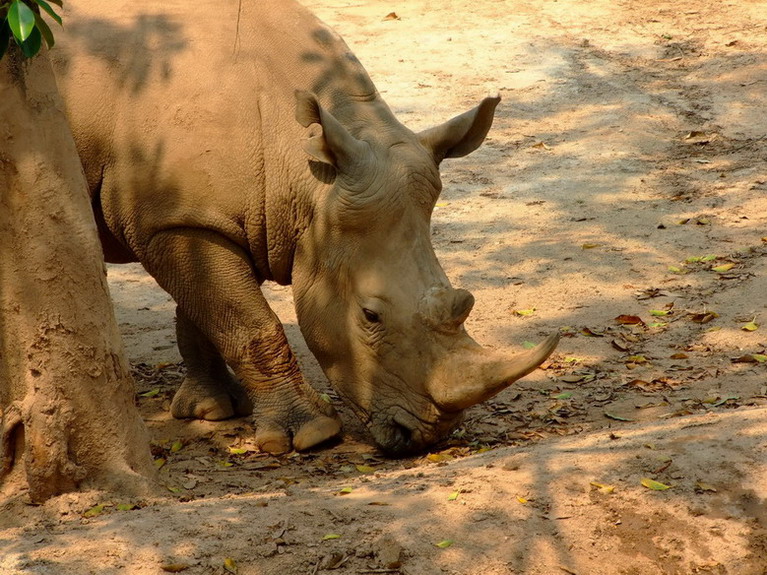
(209, 391)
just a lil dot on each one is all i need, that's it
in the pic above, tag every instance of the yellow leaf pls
(175, 567)
(177, 446)
(330, 536)
(345, 490)
(659, 312)
(126, 506)
(365, 468)
(237, 450)
(159, 462)
(522, 500)
(230, 565)
(590, 246)
(654, 485)
(723, 268)
(453, 496)
(606, 489)
(705, 487)
(750, 326)
(524, 312)
(444, 544)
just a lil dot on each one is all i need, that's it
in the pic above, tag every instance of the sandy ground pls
(619, 199)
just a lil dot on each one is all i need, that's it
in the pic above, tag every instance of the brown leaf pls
(591, 333)
(703, 317)
(619, 345)
(629, 320)
(391, 16)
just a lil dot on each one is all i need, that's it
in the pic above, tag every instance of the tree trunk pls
(67, 414)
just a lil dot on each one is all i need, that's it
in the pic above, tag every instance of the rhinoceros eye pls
(370, 315)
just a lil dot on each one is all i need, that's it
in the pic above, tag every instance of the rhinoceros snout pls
(405, 435)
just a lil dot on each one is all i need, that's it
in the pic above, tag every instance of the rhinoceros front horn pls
(474, 374)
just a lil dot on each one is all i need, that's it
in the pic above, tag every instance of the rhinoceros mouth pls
(404, 434)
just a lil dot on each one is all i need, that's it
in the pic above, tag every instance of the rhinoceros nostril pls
(404, 435)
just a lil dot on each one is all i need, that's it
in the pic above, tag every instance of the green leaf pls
(93, 511)
(444, 544)
(58, 3)
(31, 46)
(45, 31)
(177, 446)
(126, 506)
(47, 7)
(708, 258)
(659, 312)
(5, 36)
(330, 536)
(565, 395)
(759, 357)
(21, 20)
(654, 485)
(528, 344)
(150, 393)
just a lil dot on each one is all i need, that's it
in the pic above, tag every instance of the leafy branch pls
(21, 21)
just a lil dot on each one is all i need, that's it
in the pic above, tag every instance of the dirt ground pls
(619, 199)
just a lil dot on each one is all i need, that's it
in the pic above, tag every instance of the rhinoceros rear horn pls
(334, 144)
(461, 135)
(474, 374)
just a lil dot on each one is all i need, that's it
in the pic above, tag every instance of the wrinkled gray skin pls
(226, 149)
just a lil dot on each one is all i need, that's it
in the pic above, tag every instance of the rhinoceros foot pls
(305, 424)
(201, 398)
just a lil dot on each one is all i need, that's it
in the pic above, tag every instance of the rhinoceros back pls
(184, 113)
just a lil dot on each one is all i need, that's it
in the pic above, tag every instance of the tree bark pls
(67, 413)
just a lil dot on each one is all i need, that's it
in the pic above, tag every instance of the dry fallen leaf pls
(391, 16)
(175, 567)
(624, 319)
(524, 312)
(230, 565)
(606, 489)
(654, 485)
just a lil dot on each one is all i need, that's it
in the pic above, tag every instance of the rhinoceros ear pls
(333, 144)
(461, 135)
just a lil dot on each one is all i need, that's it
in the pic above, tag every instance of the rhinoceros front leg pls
(215, 287)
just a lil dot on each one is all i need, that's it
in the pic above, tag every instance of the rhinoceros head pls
(373, 302)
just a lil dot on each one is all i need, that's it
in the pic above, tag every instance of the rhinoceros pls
(227, 144)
